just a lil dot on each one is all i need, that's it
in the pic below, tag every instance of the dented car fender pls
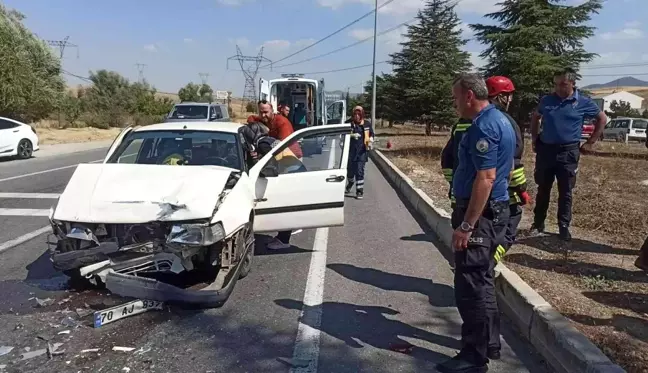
(235, 210)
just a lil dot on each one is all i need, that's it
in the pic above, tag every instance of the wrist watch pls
(466, 227)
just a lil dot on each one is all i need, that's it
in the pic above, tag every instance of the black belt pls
(559, 147)
(463, 203)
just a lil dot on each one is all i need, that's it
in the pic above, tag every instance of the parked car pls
(588, 128)
(184, 198)
(198, 111)
(618, 128)
(17, 139)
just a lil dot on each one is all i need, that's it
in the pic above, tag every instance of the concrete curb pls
(556, 339)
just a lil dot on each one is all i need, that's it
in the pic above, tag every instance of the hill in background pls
(627, 81)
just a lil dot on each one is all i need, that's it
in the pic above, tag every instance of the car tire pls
(25, 149)
(247, 234)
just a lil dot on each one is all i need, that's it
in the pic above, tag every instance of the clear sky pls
(177, 40)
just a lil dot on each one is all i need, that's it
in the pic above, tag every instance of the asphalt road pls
(364, 289)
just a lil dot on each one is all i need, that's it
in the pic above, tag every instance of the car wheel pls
(25, 149)
(620, 137)
(246, 237)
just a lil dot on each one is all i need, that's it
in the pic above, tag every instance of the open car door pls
(118, 140)
(306, 192)
(264, 89)
(336, 112)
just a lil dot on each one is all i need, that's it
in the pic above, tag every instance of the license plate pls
(109, 315)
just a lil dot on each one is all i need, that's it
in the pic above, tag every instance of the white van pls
(620, 128)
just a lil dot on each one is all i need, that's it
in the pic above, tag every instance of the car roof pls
(230, 127)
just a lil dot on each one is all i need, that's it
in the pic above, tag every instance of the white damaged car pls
(170, 214)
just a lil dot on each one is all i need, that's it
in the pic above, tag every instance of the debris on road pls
(32, 354)
(64, 300)
(123, 349)
(90, 350)
(44, 302)
(83, 312)
(403, 348)
(295, 363)
(69, 322)
(52, 349)
(109, 315)
(126, 369)
(64, 332)
(5, 350)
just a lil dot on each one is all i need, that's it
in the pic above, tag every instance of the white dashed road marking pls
(24, 212)
(30, 195)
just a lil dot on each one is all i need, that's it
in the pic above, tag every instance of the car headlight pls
(196, 234)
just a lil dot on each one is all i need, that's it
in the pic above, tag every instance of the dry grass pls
(593, 281)
(49, 136)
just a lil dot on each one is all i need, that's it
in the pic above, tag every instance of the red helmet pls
(499, 84)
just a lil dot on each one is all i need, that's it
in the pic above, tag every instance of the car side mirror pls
(270, 170)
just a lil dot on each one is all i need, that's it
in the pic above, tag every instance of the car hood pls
(134, 193)
(169, 120)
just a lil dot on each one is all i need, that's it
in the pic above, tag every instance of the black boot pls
(564, 234)
(493, 353)
(461, 364)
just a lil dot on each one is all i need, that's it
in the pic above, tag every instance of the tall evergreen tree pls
(534, 39)
(431, 58)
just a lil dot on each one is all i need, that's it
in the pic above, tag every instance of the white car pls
(621, 129)
(139, 224)
(17, 139)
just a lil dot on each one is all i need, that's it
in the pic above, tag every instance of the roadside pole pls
(373, 74)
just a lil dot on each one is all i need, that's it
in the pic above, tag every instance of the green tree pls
(532, 40)
(623, 109)
(389, 102)
(30, 84)
(250, 107)
(109, 101)
(196, 93)
(189, 93)
(425, 68)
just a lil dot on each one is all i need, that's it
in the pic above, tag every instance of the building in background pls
(605, 100)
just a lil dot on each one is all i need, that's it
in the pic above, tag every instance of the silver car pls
(198, 112)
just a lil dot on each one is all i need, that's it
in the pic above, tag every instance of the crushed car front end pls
(150, 249)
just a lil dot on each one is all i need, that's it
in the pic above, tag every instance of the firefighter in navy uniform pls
(558, 147)
(362, 138)
(449, 154)
(500, 94)
(479, 219)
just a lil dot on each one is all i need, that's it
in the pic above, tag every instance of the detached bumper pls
(147, 288)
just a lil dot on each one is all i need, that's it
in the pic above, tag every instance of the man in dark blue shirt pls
(558, 147)
(479, 217)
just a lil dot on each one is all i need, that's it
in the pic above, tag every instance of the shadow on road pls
(356, 325)
(262, 240)
(439, 295)
(551, 243)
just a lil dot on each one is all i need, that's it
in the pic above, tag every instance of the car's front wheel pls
(25, 149)
(245, 239)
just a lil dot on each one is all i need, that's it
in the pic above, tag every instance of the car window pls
(5, 124)
(224, 111)
(189, 112)
(182, 147)
(310, 153)
(216, 112)
(640, 124)
(624, 123)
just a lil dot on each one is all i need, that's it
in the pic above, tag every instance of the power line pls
(250, 68)
(617, 65)
(614, 75)
(140, 71)
(332, 34)
(62, 44)
(348, 46)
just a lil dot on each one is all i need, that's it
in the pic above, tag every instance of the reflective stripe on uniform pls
(517, 177)
(499, 253)
(461, 127)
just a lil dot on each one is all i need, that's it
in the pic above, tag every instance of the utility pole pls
(373, 74)
(204, 77)
(140, 70)
(62, 44)
(250, 67)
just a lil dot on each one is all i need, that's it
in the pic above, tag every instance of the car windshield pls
(189, 112)
(640, 124)
(181, 147)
